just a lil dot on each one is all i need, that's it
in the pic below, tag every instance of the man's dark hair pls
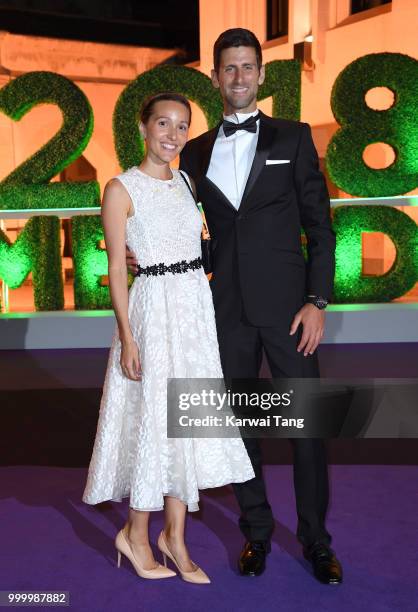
(236, 37)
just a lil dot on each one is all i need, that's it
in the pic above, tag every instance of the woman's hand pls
(129, 360)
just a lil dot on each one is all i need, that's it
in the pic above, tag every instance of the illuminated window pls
(277, 18)
(357, 6)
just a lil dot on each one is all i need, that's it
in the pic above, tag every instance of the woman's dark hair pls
(148, 106)
(236, 37)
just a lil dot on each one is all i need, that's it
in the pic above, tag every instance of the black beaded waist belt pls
(175, 268)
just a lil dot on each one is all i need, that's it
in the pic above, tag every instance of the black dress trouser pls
(241, 347)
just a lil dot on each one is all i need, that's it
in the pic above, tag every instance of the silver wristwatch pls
(318, 301)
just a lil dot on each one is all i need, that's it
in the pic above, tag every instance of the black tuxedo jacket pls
(259, 269)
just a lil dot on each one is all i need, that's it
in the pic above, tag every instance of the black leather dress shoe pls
(252, 561)
(326, 567)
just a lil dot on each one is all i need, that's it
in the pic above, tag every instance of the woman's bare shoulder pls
(116, 187)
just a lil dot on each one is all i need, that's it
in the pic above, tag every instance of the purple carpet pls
(51, 540)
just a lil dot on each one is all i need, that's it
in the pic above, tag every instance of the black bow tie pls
(250, 125)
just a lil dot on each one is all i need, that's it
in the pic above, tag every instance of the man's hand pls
(312, 320)
(131, 262)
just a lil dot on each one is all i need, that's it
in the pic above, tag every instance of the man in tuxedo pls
(259, 182)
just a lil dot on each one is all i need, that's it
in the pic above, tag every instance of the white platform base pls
(356, 323)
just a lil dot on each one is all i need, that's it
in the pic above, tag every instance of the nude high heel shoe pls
(123, 547)
(197, 576)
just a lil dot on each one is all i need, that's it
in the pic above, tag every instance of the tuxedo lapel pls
(264, 143)
(221, 194)
(206, 149)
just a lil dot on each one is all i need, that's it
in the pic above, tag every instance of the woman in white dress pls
(165, 328)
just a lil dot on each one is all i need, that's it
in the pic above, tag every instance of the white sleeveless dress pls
(172, 320)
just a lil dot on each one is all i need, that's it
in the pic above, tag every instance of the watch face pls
(320, 302)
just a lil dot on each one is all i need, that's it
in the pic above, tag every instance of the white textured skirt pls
(173, 322)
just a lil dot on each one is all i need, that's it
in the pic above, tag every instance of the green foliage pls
(349, 223)
(23, 93)
(191, 83)
(52, 195)
(37, 249)
(283, 83)
(361, 126)
(90, 263)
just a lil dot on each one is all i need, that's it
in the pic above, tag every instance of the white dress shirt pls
(232, 158)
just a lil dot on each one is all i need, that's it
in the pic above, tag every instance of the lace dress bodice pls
(155, 201)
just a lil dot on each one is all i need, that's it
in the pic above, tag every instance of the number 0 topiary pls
(282, 82)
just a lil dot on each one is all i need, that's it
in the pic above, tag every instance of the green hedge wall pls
(282, 83)
(191, 83)
(38, 247)
(20, 95)
(349, 223)
(361, 126)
